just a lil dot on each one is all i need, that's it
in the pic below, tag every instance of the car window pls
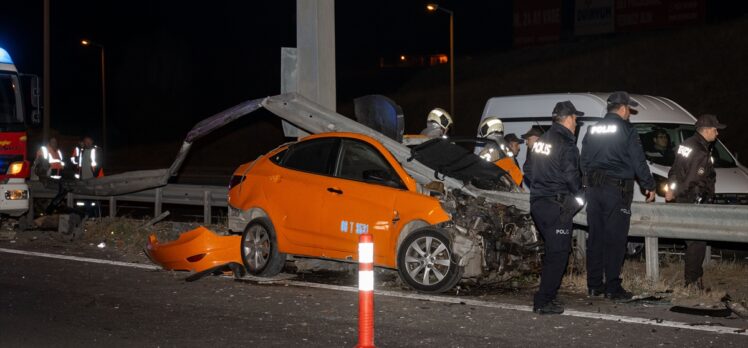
(362, 162)
(313, 156)
(661, 140)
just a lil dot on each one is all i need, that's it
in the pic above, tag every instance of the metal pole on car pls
(365, 291)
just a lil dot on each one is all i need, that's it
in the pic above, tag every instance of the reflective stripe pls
(684, 151)
(93, 157)
(80, 204)
(45, 152)
(604, 129)
(366, 280)
(580, 201)
(366, 252)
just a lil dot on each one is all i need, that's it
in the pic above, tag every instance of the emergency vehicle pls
(17, 111)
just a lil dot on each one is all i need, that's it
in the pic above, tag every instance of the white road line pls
(416, 296)
(81, 259)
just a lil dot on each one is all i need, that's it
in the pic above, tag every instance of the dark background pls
(173, 63)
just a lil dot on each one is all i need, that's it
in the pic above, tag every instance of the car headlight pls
(14, 195)
(15, 168)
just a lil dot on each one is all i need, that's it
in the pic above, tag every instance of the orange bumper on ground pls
(196, 250)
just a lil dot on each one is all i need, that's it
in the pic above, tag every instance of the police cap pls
(622, 98)
(566, 108)
(709, 120)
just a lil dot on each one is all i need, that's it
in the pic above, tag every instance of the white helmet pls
(440, 117)
(491, 124)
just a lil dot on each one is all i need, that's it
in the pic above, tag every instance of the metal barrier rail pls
(196, 195)
(710, 222)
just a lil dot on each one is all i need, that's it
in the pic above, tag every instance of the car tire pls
(259, 249)
(425, 261)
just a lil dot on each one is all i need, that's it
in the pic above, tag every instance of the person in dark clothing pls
(612, 158)
(555, 196)
(691, 180)
(530, 138)
(661, 152)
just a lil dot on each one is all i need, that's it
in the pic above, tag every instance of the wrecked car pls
(314, 197)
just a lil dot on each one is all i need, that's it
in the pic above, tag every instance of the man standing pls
(86, 159)
(514, 144)
(691, 180)
(49, 161)
(554, 199)
(612, 157)
(530, 137)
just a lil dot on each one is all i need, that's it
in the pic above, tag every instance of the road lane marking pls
(81, 259)
(417, 296)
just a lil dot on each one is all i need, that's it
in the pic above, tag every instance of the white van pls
(655, 114)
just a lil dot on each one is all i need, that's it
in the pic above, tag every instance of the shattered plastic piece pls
(709, 312)
(197, 250)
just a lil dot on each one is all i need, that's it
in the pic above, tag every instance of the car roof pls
(650, 109)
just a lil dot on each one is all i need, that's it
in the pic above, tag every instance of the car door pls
(366, 190)
(297, 189)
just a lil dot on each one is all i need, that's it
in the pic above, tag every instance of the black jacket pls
(613, 147)
(526, 169)
(693, 171)
(555, 165)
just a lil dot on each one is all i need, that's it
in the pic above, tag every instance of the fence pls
(194, 195)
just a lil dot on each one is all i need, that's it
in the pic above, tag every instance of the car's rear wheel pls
(260, 249)
(425, 261)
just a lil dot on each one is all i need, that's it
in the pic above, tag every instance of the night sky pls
(173, 63)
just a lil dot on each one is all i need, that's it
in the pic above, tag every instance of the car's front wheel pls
(260, 249)
(425, 261)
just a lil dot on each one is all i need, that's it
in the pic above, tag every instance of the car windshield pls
(10, 110)
(661, 140)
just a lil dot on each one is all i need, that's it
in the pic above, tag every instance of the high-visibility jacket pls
(54, 158)
(78, 160)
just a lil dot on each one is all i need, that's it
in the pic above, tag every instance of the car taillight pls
(235, 180)
(15, 168)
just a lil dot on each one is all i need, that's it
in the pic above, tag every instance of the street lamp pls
(433, 8)
(88, 43)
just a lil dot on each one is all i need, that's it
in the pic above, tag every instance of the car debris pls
(196, 250)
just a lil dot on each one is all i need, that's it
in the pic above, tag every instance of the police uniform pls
(556, 185)
(612, 157)
(691, 179)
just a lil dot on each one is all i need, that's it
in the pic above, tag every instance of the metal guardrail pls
(710, 222)
(195, 195)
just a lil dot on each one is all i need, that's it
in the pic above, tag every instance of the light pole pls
(434, 8)
(87, 43)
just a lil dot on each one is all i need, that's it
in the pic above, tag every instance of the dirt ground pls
(124, 239)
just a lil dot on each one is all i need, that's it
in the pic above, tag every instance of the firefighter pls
(49, 160)
(691, 180)
(555, 197)
(497, 150)
(86, 159)
(612, 157)
(438, 122)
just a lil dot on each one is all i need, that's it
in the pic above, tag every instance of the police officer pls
(438, 122)
(555, 197)
(612, 157)
(691, 180)
(530, 137)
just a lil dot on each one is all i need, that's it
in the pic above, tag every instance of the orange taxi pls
(316, 196)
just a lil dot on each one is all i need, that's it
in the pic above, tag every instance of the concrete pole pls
(46, 83)
(315, 42)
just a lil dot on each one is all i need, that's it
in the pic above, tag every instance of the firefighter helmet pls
(440, 117)
(489, 125)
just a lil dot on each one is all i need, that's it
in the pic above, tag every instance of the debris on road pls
(196, 250)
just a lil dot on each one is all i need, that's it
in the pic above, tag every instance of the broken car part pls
(197, 250)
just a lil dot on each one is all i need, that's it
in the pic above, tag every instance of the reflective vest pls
(77, 160)
(54, 158)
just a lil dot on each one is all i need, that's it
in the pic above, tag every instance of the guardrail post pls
(112, 206)
(707, 255)
(158, 201)
(580, 236)
(651, 249)
(70, 199)
(207, 197)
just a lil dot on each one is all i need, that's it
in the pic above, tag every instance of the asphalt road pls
(63, 303)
